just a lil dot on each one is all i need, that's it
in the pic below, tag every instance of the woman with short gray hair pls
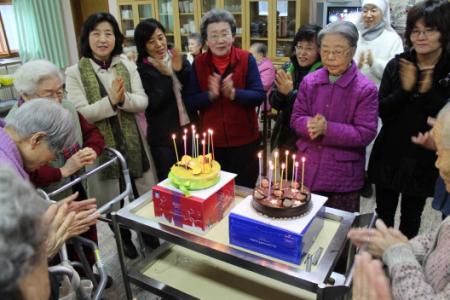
(335, 118)
(217, 16)
(23, 234)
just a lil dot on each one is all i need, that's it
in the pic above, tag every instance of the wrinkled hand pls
(82, 221)
(317, 126)
(376, 240)
(88, 155)
(117, 92)
(362, 59)
(83, 157)
(177, 60)
(408, 74)
(426, 80)
(369, 280)
(369, 60)
(228, 89)
(283, 82)
(57, 219)
(213, 86)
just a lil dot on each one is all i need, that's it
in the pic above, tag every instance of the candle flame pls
(173, 136)
(276, 154)
(293, 156)
(184, 137)
(283, 165)
(259, 154)
(204, 134)
(303, 159)
(185, 131)
(209, 131)
(203, 142)
(296, 163)
(286, 152)
(193, 127)
(196, 136)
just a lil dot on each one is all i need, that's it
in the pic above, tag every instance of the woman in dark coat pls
(163, 73)
(411, 90)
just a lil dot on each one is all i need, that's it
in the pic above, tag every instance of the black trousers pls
(242, 160)
(164, 158)
(411, 209)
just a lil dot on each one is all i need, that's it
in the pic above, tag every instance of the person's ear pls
(37, 138)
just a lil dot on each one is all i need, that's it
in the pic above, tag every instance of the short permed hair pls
(29, 75)
(143, 33)
(308, 33)
(89, 25)
(435, 14)
(345, 29)
(22, 232)
(44, 115)
(260, 48)
(217, 16)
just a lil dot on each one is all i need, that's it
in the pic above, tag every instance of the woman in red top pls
(225, 87)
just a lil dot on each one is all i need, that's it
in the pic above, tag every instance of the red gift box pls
(200, 210)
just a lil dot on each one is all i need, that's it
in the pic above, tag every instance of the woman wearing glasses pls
(305, 59)
(225, 86)
(410, 92)
(335, 118)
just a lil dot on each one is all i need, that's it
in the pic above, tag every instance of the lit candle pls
(303, 171)
(270, 178)
(275, 166)
(196, 145)
(293, 165)
(193, 140)
(209, 140)
(203, 160)
(212, 144)
(286, 153)
(296, 171)
(204, 136)
(260, 167)
(175, 146)
(184, 141)
(281, 178)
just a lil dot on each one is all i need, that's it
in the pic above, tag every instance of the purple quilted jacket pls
(335, 161)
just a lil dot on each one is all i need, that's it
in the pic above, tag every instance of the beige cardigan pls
(136, 101)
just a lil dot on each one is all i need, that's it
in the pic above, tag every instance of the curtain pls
(40, 30)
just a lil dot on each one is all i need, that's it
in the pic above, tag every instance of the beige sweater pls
(421, 268)
(136, 101)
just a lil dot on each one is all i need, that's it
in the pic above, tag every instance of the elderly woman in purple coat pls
(335, 118)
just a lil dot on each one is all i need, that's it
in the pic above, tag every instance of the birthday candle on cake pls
(260, 167)
(196, 144)
(209, 140)
(275, 166)
(281, 178)
(286, 153)
(296, 171)
(303, 172)
(184, 141)
(175, 146)
(293, 166)
(212, 144)
(203, 158)
(270, 178)
(193, 140)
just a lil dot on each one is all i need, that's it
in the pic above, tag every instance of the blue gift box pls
(285, 239)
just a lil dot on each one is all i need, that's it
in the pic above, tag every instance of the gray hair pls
(47, 116)
(343, 28)
(22, 233)
(28, 76)
(443, 117)
(197, 37)
(260, 48)
(217, 16)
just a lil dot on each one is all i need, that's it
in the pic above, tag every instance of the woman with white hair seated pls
(23, 235)
(418, 268)
(34, 137)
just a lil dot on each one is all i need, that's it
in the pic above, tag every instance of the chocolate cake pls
(291, 201)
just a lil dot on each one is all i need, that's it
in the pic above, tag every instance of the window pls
(9, 42)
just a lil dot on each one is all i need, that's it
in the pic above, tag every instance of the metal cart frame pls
(315, 281)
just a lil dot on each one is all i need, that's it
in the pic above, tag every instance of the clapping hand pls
(117, 92)
(83, 157)
(426, 80)
(369, 280)
(408, 74)
(283, 82)
(317, 126)
(426, 139)
(228, 87)
(214, 86)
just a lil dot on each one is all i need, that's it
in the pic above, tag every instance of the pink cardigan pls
(267, 73)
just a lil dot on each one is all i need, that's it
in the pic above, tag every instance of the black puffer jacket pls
(397, 163)
(162, 111)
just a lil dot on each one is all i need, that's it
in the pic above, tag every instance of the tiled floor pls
(430, 219)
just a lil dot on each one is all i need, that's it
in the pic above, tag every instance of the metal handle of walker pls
(118, 157)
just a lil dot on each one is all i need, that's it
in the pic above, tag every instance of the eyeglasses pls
(337, 53)
(217, 37)
(59, 94)
(300, 48)
(415, 33)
